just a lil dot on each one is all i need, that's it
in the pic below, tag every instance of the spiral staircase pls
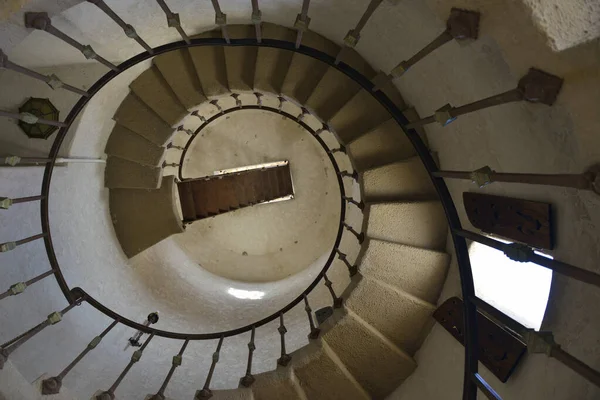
(387, 176)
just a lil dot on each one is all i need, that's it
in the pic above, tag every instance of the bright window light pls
(246, 294)
(519, 290)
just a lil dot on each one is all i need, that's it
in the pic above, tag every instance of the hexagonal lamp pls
(41, 108)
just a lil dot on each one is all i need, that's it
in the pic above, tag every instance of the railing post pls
(135, 357)
(8, 246)
(206, 393)
(173, 20)
(215, 103)
(259, 99)
(6, 202)
(302, 22)
(341, 149)
(53, 385)
(353, 35)
(177, 361)
(6, 349)
(324, 128)
(20, 287)
(50, 80)
(346, 174)
(461, 25)
(535, 87)
(196, 114)
(285, 358)
(41, 21)
(337, 301)
(166, 164)
(303, 113)
(589, 180)
(359, 236)
(248, 379)
(281, 101)
(13, 161)
(360, 205)
(314, 331)
(128, 29)
(172, 146)
(256, 20)
(352, 269)
(31, 119)
(236, 97)
(221, 19)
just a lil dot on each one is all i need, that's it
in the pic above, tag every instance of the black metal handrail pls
(472, 380)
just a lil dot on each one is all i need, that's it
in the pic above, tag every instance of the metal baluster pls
(173, 20)
(485, 387)
(216, 104)
(51, 80)
(360, 205)
(6, 202)
(31, 119)
(20, 287)
(258, 99)
(359, 236)
(16, 160)
(303, 113)
(353, 35)
(285, 358)
(461, 25)
(53, 385)
(135, 357)
(128, 29)
(172, 146)
(324, 128)
(535, 87)
(206, 393)
(341, 149)
(9, 347)
(256, 19)
(221, 19)
(337, 301)
(281, 101)
(589, 180)
(352, 269)
(8, 246)
(314, 331)
(177, 360)
(249, 379)
(302, 22)
(41, 21)
(238, 102)
(166, 164)
(180, 128)
(346, 174)
(523, 253)
(195, 113)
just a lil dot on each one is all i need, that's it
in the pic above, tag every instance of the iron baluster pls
(41, 21)
(346, 174)
(314, 331)
(7, 202)
(173, 20)
(256, 20)
(352, 269)
(128, 29)
(353, 36)
(360, 205)
(221, 20)
(177, 361)
(285, 358)
(248, 379)
(31, 119)
(302, 22)
(206, 393)
(8, 246)
(359, 236)
(20, 287)
(53, 385)
(337, 301)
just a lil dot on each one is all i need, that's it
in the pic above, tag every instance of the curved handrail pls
(460, 245)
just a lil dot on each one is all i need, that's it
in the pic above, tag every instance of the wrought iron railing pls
(460, 25)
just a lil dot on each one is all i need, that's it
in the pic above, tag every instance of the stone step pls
(178, 70)
(383, 145)
(375, 362)
(126, 144)
(209, 62)
(143, 217)
(321, 375)
(419, 272)
(125, 174)
(153, 89)
(233, 394)
(279, 383)
(135, 115)
(241, 61)
(403, 319)
(359, 115)
(335, 89)
(402, 180)
(272, 64)
(421, 224)
(304, 72)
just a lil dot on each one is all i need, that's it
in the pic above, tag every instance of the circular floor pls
(267, 242)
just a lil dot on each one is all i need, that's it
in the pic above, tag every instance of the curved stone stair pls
(389, 302)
